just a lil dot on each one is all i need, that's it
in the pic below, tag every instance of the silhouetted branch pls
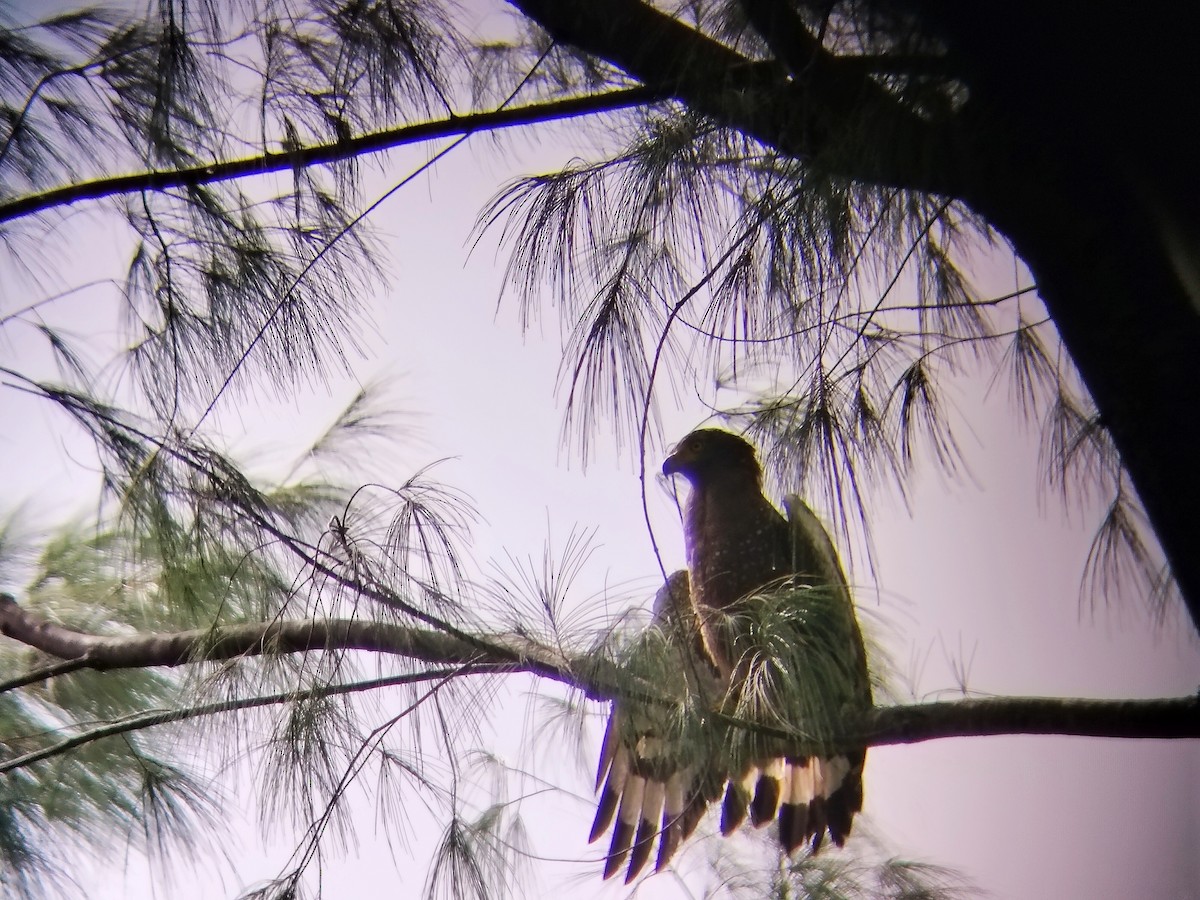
(1166, 718)
(796, 115)
(289, 160)
(155, 717)
(223, 642)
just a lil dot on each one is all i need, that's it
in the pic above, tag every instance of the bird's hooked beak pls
(670, 465)
(674, 463)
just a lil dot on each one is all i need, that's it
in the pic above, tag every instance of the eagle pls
(759, 631)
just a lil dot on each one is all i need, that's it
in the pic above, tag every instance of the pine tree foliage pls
(823, 314)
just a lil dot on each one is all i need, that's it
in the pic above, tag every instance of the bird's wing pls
(825, 792)
(809, 795)
(813, 553)
(814, 556)
(655, 782)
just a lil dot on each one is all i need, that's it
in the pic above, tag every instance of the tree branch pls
(827, 107)
(1168, 718)
(503, 652)
(286, 161)
(155, 717)
(41, 673)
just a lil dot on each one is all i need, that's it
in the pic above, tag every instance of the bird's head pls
(709, 452)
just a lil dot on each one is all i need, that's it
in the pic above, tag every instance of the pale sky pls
(977, 571)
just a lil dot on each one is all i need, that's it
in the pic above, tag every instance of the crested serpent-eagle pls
(761, 630)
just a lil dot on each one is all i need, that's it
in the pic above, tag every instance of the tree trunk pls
(1092, 177)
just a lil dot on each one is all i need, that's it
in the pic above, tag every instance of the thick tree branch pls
(781, 27)
(223, 642)
(286, 161)
(1170, 718)
(1174, 717)
(827, 108)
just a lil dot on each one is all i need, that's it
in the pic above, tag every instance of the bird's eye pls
(695, 445)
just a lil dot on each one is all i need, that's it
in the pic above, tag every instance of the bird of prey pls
(759, 630)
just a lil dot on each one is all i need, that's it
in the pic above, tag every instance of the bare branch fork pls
(1162, 718)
